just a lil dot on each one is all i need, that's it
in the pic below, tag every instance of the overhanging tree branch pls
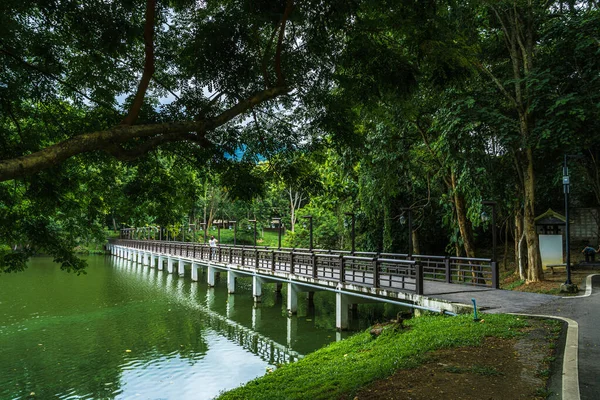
(286, 14)
(107, 140)
(148, 64)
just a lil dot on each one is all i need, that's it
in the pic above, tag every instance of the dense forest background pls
(170, 113)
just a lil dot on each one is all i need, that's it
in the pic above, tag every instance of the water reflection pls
(124, 331)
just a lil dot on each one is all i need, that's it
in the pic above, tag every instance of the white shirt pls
(212, 242)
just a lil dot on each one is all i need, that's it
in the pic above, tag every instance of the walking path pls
(581, 368)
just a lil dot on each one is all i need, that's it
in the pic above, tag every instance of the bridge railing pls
(380, 270)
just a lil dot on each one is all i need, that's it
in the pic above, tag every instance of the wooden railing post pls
(256, 258)
(243, 253)
(342, 269)
(292, 262)
(375, 273)
(418, 277)
(495, 275)
(313, 261)
(273, 260)
(448, 270)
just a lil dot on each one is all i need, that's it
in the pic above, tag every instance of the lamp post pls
(566, 189)
(402, 222)
(189, 228)
(234, 231)
(203, 231)
(310, 227)
(219, 230)
(484, 217)
(254, 221)
(278, 231)
(353, 234)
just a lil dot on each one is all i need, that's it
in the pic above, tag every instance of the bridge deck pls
(394, 276)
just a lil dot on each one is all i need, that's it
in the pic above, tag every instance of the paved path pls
(585, 310)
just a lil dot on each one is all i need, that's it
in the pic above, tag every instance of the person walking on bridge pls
(213, 246)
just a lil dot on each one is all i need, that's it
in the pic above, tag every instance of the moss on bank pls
(342, 368)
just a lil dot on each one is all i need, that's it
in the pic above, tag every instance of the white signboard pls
(551, 249)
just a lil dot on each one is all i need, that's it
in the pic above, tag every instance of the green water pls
(123, 331)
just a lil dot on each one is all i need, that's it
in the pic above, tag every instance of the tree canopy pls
(154, 112)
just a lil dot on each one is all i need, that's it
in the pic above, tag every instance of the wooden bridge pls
(354, 277)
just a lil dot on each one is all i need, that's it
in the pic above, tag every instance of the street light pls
(203, 231)
(351, 215)
(485, 218)
(402, 222)
(253, 220)
(310, 221)
(278, 231)
(234, 222)
(219, 231)
(194, 237)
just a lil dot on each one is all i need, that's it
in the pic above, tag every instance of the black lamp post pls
(310, 227)
(566, 189)
(203, 231)
(403, 221)
(278, 231)
(234, 222)
(194, 232)
(484, 216)
(254, 221)
(219, 230)
(353, 234)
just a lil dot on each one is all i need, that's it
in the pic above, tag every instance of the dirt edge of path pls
(502, 369)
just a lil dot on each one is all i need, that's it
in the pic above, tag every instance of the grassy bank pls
(342, 368)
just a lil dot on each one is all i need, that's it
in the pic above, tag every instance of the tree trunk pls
(415, 240)
(464, 224)
(534, 260)
(518, 234)
(465, 228)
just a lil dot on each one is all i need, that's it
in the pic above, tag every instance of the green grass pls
(515, 284)
(245, 236)
(341, 369)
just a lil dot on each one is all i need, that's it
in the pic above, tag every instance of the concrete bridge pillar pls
(256, 317)
(181, 269)
(231, 281)
(230, 309)
(341, 311)
(194, 271)
(292, 330)
(161, 261)
(145, 259)
(257, 288)
(292, 299)
(211, 276)
(169, 265)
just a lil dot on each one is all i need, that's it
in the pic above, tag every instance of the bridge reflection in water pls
(266, 348)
